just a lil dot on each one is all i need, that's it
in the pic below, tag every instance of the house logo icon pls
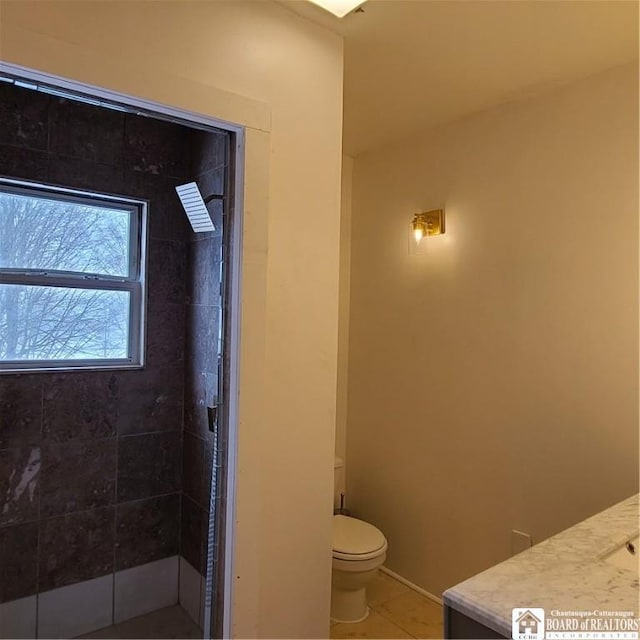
(527, 624)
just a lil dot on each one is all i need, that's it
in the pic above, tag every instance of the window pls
(71, 279)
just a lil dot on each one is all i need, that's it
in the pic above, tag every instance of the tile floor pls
(172, 622)
(396, 612)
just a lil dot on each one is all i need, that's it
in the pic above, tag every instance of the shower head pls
(195, 207)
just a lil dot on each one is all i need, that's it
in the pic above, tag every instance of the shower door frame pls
(232, 268)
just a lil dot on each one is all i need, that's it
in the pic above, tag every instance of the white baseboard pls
(410, 584)
(145, 588)
(190, 591)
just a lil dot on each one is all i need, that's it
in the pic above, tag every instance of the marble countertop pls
(564, 573)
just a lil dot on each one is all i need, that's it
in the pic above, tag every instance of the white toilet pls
(359, 549)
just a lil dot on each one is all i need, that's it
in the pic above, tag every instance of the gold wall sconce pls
(429, 223)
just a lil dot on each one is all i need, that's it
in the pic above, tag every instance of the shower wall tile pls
(201, 391)
(192, 526)
(167, 220)
(210, 162)
(167, 271)
(146, 588)
(71, 611)
(155, 146)
(189, 590)
(18, 618)
(23, 118)
(165, 335)
(150, 399)
(80, 405)
(148, 465)
(77, 476)
(19, 479)
(20, 410)
(202, 338)
(203, 276)
(23, 163)
(209, 151)
(76, 547)
(96, 134)
(147, 530)
(212, 182)
(19, 561)
(78, 173)
(193, 467)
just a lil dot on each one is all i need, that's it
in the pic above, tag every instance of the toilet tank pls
(338, 480)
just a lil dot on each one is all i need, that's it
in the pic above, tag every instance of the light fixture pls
(339, 8)
(429, 223)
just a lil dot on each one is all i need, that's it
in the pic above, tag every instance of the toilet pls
(359, 549)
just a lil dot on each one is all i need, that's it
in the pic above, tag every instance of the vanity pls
(590, 568)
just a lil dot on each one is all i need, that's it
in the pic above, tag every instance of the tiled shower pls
(105, 475)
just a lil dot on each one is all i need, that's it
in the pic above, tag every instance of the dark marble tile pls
(150, 399)
(19, 484)
(148, 465)
(203, 271)
(212, 183)
(18, 561)
(77, 476)
(167, 271)
(165, 335)
(20, 410)
(85, 131)
(82, 174)
(80, 405)
(209, 150)
(201, 391)
(191, 530)
(193, 467)
(23, 117)
(157, 147)
(167, 220)
(201, 338)
(76, 547)
(27, 164)
(147, 530)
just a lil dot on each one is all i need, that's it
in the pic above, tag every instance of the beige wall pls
(493, 380)
(253, 63)
(344, 300)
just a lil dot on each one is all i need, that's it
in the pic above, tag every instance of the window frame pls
(134, 283)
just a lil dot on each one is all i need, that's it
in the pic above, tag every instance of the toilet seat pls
(356, 540)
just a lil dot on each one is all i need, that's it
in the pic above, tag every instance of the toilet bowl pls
(359, 549)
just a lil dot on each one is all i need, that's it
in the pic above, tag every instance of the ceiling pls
(411, 65)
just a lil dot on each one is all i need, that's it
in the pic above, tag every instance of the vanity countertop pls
(563, 573)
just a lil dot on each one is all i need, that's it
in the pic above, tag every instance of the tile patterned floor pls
(396, 612)
(172, 622)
